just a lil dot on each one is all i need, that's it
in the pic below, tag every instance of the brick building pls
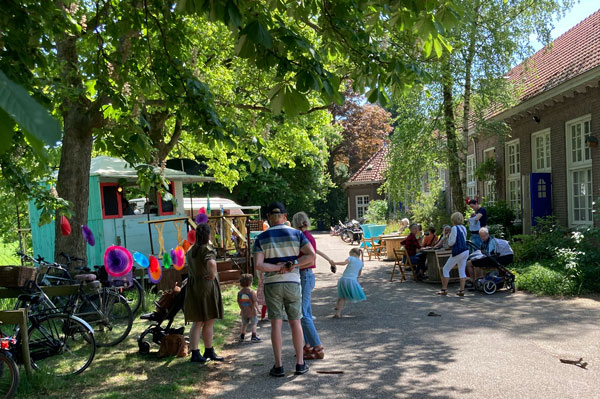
(549, 164)
(363, 185)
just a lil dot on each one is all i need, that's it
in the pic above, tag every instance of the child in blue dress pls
(348, 287)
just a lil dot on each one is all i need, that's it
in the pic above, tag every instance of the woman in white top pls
(460, 253)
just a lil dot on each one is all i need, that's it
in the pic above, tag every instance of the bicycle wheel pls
(9, 376)
(61, 345)
(110, 316)
(134, 294)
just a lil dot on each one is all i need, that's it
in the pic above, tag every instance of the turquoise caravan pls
(117, 216)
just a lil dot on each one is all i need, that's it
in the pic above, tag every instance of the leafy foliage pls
(377, 212)
(564, 263)
(430, 209)
(416, 149)
(366, 128)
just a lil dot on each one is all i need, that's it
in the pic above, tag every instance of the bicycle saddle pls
(85, 277)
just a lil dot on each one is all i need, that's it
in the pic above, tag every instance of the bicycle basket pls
(16, 276)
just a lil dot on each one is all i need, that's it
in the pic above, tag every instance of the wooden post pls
(19, 317)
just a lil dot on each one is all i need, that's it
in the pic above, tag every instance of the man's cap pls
(473, 201)
(276, 207)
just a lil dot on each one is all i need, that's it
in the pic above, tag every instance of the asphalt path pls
(500, 346)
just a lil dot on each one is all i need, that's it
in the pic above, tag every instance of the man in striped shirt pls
(276, 253)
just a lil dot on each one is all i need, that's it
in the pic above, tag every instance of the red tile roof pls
(372, 170)
(573, 53)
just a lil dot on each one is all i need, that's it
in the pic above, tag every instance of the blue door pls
(540, 185)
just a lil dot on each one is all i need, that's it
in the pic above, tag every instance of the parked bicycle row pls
(68, 317)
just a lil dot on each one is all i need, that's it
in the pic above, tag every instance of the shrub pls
(377, 212)
(548, 236)
(542, 279)
(499, 213)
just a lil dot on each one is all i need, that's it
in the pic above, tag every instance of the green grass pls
(7, 254)
(121, 372)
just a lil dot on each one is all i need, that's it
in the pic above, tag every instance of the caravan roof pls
(117, 168)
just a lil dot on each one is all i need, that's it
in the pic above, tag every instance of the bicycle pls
(9, 371)
(102, 307)
(60, 344)
(131, 290)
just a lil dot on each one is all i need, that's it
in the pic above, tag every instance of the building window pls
(112, 208)
(513, 158)
(471, 183)
(513, 176)
(579, 172)
(167, 207)
(582, 196)
(514, 196)
(489, 186)
(541, 188)
(489, 191)
(362, 203)
(540, 151)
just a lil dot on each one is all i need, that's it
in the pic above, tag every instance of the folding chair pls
(398, 256)
(408, 262)
(402, 260)
(378, 247)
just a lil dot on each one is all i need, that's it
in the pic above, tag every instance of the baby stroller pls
(167, 307)
(496, 279)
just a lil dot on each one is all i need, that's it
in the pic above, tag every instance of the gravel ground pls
(500, 346)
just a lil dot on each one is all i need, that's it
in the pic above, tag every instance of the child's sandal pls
(442, 292)
(461, 293)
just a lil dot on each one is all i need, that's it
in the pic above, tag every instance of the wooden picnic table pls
(435, 262)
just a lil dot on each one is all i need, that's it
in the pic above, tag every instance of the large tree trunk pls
(458, 204)
(74, 169)
(73, 178)
(466, 112)
(467, 98)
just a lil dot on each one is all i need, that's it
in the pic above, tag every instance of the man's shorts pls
(250, 320)
(282, 299)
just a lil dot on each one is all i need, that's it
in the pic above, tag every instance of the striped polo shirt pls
(280, 244)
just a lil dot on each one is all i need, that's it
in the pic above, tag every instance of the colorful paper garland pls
(141, 260)
(65, 226)
(167, 262)
(154, 270)
(88, 235)
(117, 261)
(191, 237)
(179, 258)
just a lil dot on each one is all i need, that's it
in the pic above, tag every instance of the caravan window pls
(167, 207)
(111, 201)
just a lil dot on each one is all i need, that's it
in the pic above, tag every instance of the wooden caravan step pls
(229, 276)
(224, 265)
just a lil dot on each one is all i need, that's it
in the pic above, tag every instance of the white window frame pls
(579, 166)
(489, 186)
(364, 205)
(471, 182)
(513, 176)
(541, 158)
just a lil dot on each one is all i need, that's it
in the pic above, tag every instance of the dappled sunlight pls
(388, 346)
